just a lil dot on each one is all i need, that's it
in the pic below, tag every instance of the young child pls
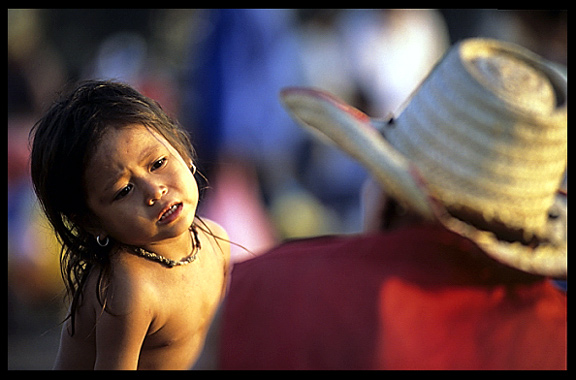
(115, 177)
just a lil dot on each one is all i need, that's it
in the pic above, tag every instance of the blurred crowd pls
(219, 73)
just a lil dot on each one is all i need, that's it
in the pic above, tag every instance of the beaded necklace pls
(169, 262)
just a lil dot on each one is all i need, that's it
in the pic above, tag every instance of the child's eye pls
(122, 193)
(159, 163)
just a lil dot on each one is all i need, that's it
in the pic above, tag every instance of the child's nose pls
(156, 193)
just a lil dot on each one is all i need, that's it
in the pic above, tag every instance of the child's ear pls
(96, 232)
(91, 225)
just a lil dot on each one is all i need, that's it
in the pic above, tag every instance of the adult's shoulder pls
(297, 259)
(302, 248)
(313, 248)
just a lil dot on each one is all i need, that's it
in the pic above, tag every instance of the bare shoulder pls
(216, 234)
(131, 286)
(214, 228)
(116, 311)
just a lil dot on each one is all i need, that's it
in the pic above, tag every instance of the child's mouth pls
(171, 214)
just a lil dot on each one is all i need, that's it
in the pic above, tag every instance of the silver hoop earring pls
(193, 168)
(104, 243)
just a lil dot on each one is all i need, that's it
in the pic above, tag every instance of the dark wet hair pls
(64, 140)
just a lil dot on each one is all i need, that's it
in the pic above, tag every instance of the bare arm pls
(120, 334)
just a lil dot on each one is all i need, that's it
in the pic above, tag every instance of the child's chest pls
(187, 299)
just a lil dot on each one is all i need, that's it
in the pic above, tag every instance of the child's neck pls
(174, 248)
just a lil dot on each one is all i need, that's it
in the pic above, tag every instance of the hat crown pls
(516, 82)
(487, 129)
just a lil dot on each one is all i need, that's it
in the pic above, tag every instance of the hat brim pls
(354, 132)
(351, 130)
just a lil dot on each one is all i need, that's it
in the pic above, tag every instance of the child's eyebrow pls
(145, 155)
(109, 186)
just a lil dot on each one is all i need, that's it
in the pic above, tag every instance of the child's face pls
(139, 187)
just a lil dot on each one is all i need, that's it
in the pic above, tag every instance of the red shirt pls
(418, 298)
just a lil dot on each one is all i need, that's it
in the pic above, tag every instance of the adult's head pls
(481, 147)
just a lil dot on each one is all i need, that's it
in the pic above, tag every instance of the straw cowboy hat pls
(482, 143)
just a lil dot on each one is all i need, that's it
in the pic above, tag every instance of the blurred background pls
(219, 73)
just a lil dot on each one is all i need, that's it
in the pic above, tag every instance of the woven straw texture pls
(487, 130)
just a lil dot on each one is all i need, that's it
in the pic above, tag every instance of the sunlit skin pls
(134, 176)
(159, 315)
